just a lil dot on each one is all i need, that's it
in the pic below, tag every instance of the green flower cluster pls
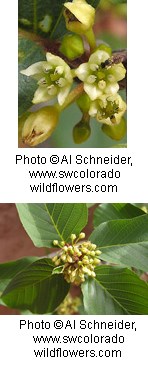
(79, 259)
(101, 85)
(69, 305)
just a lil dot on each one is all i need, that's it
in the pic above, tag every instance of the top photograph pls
(72, 74)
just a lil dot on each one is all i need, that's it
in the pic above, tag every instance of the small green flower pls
(79, 16)
(99, 78)
(54, 78)
(108, 109)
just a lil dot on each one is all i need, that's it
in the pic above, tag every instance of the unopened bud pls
(55, 242)
(82, 130)
(72, 46)
(40, 125)
(81, 235)
(63, 257)
(57, 263)
(98, 252)
(84, 102)
(79, 16)
(73, 237)
(62, 243)
(69, 259)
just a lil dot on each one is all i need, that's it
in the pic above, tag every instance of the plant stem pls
(91, 39)
(72, 97)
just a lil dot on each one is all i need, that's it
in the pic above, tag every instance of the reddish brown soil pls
(14, 242)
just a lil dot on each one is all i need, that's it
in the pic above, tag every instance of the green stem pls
(91, 39)
(35, 16)
(72, 97)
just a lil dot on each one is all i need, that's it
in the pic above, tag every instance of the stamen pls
(102, 84)
(94, 67)
(59, 70)
(91, 79)
(42, 81)
(52, 90)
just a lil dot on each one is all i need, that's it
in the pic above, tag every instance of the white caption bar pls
(73, 175)
(64, 340)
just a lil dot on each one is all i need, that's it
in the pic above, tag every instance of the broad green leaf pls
(45, 17)
(36, 289)
(115, 291)
(47, 222)
(124, 242)
(115, 211)
(28, 52)
(10, 269)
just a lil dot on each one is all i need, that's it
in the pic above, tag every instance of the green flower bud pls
(65, 248)
(55, 242)
(85, 261)
(57, 263)
(87, 270)
(72, 46)
(69, 259)
(93, 246)
(96, 261)
(63, 257)
(40, 125)
(82, 130)
(98, 252)
(92, 253)
(62, 243)
(69, 305)
(54, 259)
(81, 235)
(79, 16)
(116, 132)
(84, 102)
(84, 250)
(73, 237)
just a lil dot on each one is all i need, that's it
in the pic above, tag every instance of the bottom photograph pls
(81, 259)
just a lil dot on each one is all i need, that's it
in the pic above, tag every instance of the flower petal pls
(111, 88)
(98, 57)
(92, 90)
(41, 95)
(82, 72)
(55, 60)
(33, 69)
(63, 94)
(84, 12)
(93, 109)
(118, 71)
